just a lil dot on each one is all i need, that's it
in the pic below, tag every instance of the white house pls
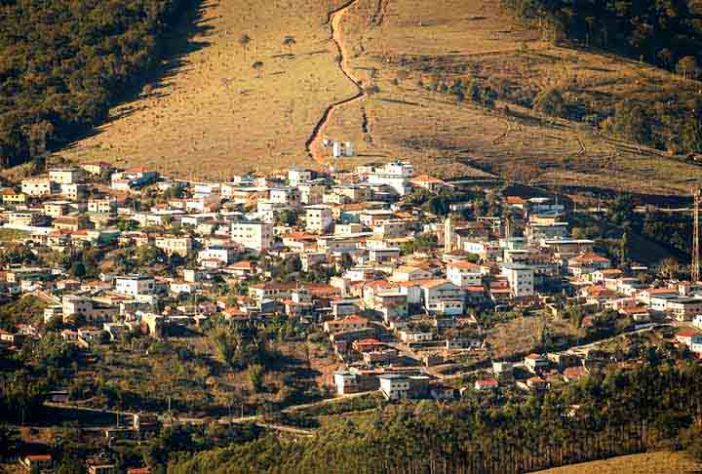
(520, 278)
(133, 285)
(65, 175)
(442, 297)
(253, 235)
(394, 386)
(463, 273)
(319, 219)
(410, 273)
(298, 176)
(395, 174)
(38, 187)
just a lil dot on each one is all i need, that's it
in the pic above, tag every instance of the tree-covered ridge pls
(667, 33)
(589, 420)
(63, 63)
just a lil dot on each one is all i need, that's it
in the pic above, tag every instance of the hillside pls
(64, 63)
(419, 50)
(646, 463)
(216, 114)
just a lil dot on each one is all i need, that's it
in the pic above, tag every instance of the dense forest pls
(63, 63)
(667, 33)
(588, 420)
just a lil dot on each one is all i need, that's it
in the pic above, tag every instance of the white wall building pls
(64, 175)
(253, 235)
(133, 285)
(319, 219)
(464, 273)
(38, 186)
(520, 278)
(394, 174)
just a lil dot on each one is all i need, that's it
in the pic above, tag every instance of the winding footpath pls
(334, 21)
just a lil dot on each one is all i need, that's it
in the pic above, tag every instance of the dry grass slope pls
(413, 40)
(662, 462)
(216, 114)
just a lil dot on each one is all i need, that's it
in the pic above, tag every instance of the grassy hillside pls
(646, 463)
(215, 114)
(418, 49)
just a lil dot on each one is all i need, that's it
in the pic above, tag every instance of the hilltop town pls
(253, 300)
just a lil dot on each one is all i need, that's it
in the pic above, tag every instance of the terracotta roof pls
(138, 169)
(660, 291)
(514, 200)
(348, 320)
(688, 333)
(368, 341)
(589, 257)
(39, 457)
(611, 271)
(464, 265)
(574, 372)
(434, 282)
(600, 291)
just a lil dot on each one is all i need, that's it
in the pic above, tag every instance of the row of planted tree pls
(620, 412)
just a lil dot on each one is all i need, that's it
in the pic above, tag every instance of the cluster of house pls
(382, 302)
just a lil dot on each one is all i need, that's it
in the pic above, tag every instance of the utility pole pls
(695, 270)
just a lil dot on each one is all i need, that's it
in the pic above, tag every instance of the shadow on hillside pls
(176, 44)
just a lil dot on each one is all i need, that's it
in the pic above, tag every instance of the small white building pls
(65, 175)
(37, 187)
(395, 175)
(520, 278)
(298, 176)
(253, 235)
(319, 219)
(463, 273)
(394, 386)
(133, 285)
(171, 244)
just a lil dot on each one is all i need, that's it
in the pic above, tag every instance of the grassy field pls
(214, 114)
(413, 40)
(661, 462)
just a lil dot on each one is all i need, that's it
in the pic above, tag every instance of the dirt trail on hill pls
(313, 142)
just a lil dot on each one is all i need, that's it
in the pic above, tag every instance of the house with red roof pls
(586, 263)
(464, 273)
(689, 337)
(440, 296)
(37, 463)
(486, 385)
(349, 323)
